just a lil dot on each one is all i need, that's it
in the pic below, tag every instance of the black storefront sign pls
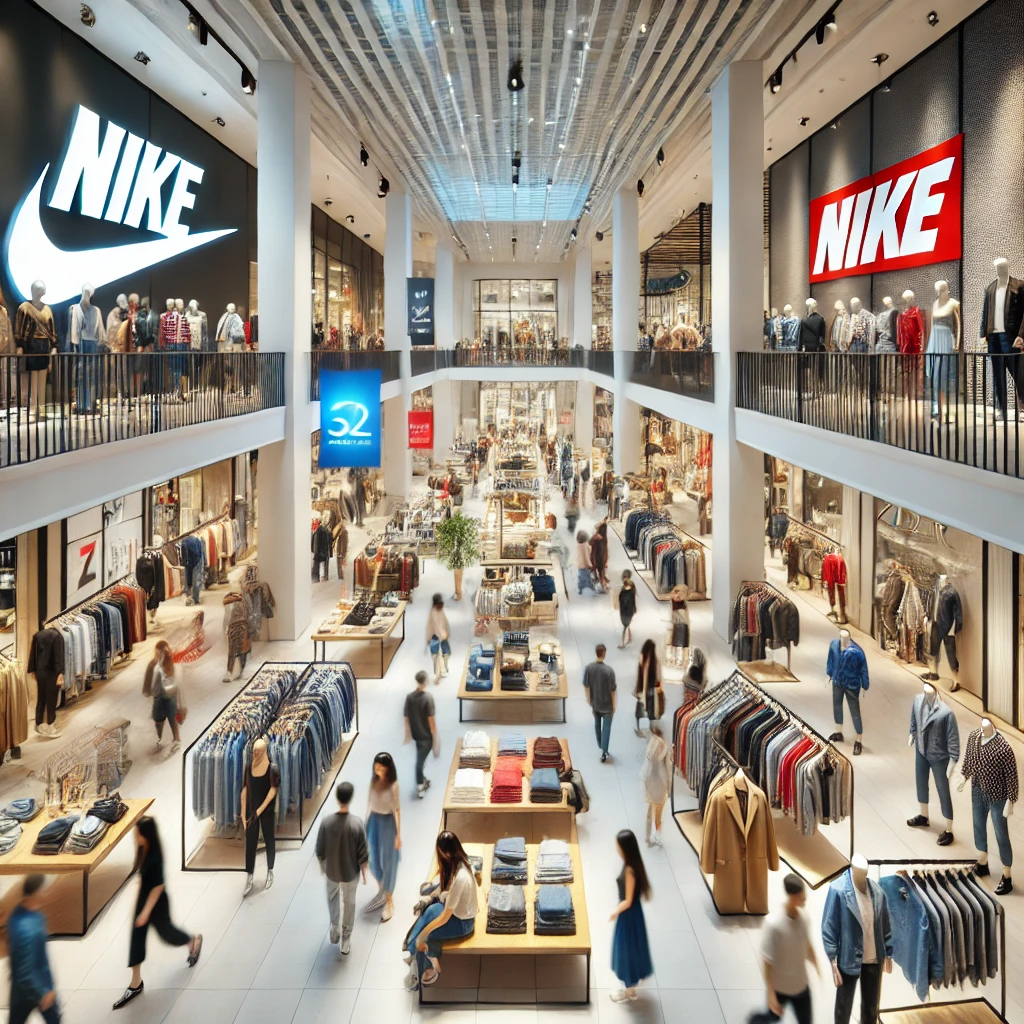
(421, 310)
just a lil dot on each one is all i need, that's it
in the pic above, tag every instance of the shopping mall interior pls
(580, 443)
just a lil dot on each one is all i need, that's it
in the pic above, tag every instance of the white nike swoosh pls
(31, 256)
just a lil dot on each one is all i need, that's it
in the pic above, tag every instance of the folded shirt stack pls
(545, 787)
(512, 744)
(52, 835)
(508, 866)
(518, 639)
(476, 750)
(85, 834)
(547, 682)
(23, 809)
(110, 809)
(553, 863)
(507, 782)
(468, 786)
(547, 753)
(553, 912)
(506, 910)
(10, 833)
(514, 682)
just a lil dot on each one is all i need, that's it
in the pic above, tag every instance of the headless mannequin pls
(989, 731)
(859, 877)
(86, 335)
(844, 641)
(932, 695)
(839, 336)
(33, 382)
(788, 329)
(941, 370)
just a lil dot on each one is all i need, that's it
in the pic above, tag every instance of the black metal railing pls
(685, 373)
(602, 361)
(953, 407)
(388, 362)
(426, 360)
(67, 402)
(524, 356)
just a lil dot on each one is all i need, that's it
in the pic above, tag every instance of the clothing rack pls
(816, 859)
(101, 595)
(750, 587)
(922, 1008)
(802, 527)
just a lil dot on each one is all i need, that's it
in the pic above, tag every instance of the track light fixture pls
(350, 219)
(197, 26)
(661, 156)
(827, 24)
(879, 59)
(383, 187)
(515, 76)
(599, 236)
(142, 57)
(775, 82)
(364, 157)
(640, 186)
(887, 87)
(933, 19)
(573, 234)
(248, 82)
(804, 121)
(87, 15)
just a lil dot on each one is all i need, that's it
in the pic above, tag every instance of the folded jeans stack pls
(507, 783)
(468, 786)
(474, 685)
(545, 787)
(110, 809)
(23, 809)
(506, 910)
(553, 913)
(10, 833)
(52, 835)
(547, 753)
(509, 864)
(512, 744)
(476, 750)
(514, 681)
(85, 835)
(554, 866)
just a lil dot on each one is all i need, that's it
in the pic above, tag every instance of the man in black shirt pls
(419, 727)
(599, 682)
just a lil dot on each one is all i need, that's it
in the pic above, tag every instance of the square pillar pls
(444, 419)
(625, 269)
(444, 297)
(584, 426)
(397, 271)
(737, 258)
(283, 205)
(582, 299)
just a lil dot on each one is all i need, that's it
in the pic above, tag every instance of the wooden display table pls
(487, 822)
(68, 903)
(513, 705)
(388, 643)
(492, 968)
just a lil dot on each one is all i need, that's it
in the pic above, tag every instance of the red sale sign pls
(908, 215)
(421, 429)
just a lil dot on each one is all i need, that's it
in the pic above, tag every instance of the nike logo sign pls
(32, 256)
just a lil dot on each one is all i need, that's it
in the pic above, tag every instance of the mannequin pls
(992, 768)
(839, 334)
(196, 320)
(1002, 313)
(885, 327)
(833, 575)
(943, 345)
(946, 627)
(909, 325)
(169, 326)
(936, 741)
(35, 336)
(847, 670)
(86, 335)
(862, 328)
(772, 330)
(790, 327)
(812, 329)
(230, 330)
(115, 318)
(846, 931)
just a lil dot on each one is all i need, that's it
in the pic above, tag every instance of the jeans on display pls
(982, 808)
(252, 835)
(338, 893)
(603, 730)
(87, 370)
(423, 748)
(453, 928)
(21, 1011)
(1000, 345)
(160, 919)
(853, 702)
(870, 995)
(938, 769)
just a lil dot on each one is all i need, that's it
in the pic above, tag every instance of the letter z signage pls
(908, 215)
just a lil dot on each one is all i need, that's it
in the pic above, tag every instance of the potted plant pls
(458, 545)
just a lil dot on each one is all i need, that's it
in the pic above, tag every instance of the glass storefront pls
(525, 312)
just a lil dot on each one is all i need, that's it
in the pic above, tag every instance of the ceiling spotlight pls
(219, 121)
(879, 58)
(248, 82)
(350, 219)
(85, 12)
(775, 82)
(599, 236)
(515, 76)
(933, 19)
(661, 156)
(142, 57)
(197, 26)
(887, 87)
(826, 23)
(364, 157)
(835, 124)
(383, 187)
(572, 234)
(643, 27)
(640, 186)
(367, 235)
(517, 159)
(328, 201)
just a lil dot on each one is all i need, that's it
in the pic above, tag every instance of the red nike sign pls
(908, 215)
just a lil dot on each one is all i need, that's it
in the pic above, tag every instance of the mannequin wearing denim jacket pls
(936, 741)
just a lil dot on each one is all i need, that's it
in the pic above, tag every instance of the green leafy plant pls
(458, 541)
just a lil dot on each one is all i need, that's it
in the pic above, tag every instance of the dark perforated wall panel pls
(993, 151)
(789, 229)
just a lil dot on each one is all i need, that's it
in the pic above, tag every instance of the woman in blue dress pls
(631, 954)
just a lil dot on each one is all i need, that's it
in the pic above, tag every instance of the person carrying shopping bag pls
(650, 697)
(437, 638)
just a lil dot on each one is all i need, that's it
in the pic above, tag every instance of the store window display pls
(909, 325)
(812, 329)
(840, 332)
(86, 334)
(1002, 314)
(790, 329)
(935, 737)
(35, 336)
(862, 328)
(885, 327)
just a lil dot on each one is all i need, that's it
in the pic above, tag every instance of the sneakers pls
(945, 839)
(49, 732)
(159, 746)
(346, 947)
(270, 880)
(412, 983)
(918, 821)
(656, 839)
(604, 756)
(623, 996)
(175, 746)
(420, 790)
(981, 870)
(1004, 886)
(247, 891)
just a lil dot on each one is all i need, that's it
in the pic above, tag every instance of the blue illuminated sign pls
(349, 418)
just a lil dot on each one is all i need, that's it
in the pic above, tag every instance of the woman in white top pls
(454, 917)
(656, 779)
(383, 833)
(437, 638)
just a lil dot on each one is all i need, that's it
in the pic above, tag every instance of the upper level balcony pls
(388, 362)
(685, 373)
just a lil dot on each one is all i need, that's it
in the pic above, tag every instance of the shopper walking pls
(420, 728)
(452, 917)
(650, 697)
(584, 566)
(152, 907)
(656, 778)
(599, 682)
(259, 808)
(558, 548)
(631, 954)
(786, 950)
(599, 553)
(624, 600)
(572, 514)
(343, 856)
(384, 833)
(437, 638)
(161, 683)
(32, 985)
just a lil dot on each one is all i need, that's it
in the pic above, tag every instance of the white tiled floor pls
(268, 958)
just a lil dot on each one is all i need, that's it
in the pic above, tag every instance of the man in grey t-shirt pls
(342, 852)
(786, 949)
(420, 728)
(599, 682)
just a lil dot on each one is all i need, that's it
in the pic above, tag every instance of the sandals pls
(430, 976)
(129, 994)
(388, 913)
(193, 958)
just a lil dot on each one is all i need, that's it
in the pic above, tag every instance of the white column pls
(283, 205)
(582, 311)
(737, 243)
(397, 270)
(584, 426)
(444, 420)
(444, 297)
(625, 303)
(396, 455)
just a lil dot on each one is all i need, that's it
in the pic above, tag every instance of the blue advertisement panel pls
(349, 418)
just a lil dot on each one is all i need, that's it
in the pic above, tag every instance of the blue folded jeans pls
(981, 808)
